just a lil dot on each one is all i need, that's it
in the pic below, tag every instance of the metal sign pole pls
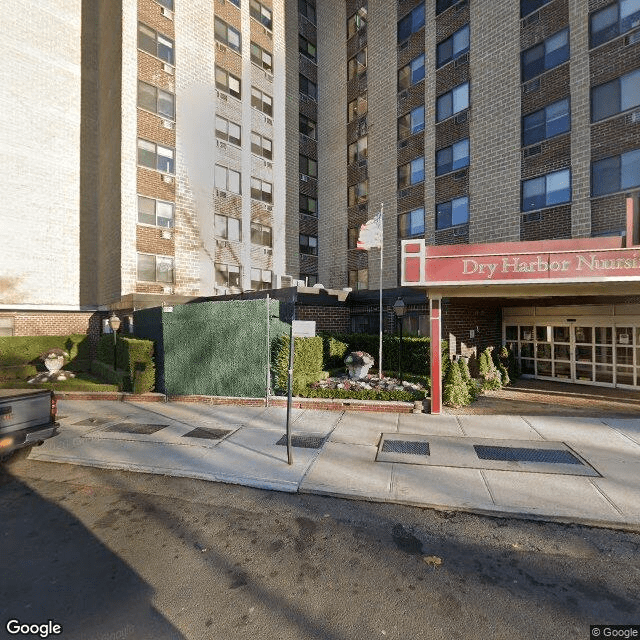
(268, 380)
(289, 452)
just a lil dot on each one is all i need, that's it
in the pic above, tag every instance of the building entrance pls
(586, 352)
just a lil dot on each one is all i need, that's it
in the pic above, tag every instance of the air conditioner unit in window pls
(402, 144)
(167, 179)
(286, 281)
(632, 38)
(462, 117)
(221, 47)
(463, 59)
(222, 145)
(530, 87)
(536, 216)
(267, 251)
(362, 163)
(167, 290)
(268, 164)
(223, 244)
(634, 117)
(268, 76)
(403, 94)
(403, 45)
(460, 175)
(459, 231)
(166, 235)
(269, 207)
(534, 150)
(531, 19)
(167, 68)
(304, 178)
(268, 120)
(167, 124)
(403, 193)
(220, 193)
(166, 13)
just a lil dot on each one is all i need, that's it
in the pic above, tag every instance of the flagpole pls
(380, 318)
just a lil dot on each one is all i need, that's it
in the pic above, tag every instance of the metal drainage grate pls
(303, 442)
(206, 433)
(406, 446)
(136, 427)
(87, 422)
(517, 454)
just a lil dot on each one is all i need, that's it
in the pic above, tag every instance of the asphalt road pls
(115, 556)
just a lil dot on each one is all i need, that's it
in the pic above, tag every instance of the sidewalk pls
(571, 469)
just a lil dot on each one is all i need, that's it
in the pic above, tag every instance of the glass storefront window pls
(562, 370)
(526, 333)
(561, 352)
(603, 335)
(624, 375)
(604, 374)
(583, 334)
(511, 333)
(584, 372)
(561, 334)
(624, 335)
(544, 368)
(526, 350)
(584, 354)
(624, 355)
(527, 367)
(543, 334)
(604, 355)
(543, 351)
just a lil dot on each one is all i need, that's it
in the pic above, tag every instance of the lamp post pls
(399, 309)
(114, 324)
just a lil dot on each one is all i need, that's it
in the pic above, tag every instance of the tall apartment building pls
(165, 149)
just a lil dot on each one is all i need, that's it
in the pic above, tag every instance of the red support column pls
(632, 222)
(436, 355)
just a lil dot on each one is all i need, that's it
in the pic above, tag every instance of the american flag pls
(371, 233)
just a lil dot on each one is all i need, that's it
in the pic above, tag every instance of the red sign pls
(588, 259)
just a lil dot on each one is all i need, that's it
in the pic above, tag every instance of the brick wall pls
(334, 319)
(458, 318)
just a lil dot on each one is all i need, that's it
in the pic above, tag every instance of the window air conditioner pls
(167, 179)
(167, 124)
(166, 13)
(167, 68)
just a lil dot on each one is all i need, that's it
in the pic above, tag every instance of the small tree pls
(488, 371)
(456, 391)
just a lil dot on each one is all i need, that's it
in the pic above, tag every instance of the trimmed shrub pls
(18, 372)
(135, 359)
(363, 394)
(22, 350)
(504, 375)
(456, 390)
(108, 374)
(464, 369)
(307, 362)
(488, 371)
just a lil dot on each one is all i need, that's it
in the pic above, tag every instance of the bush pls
(18, 372)
(488, 371)
(135, 359)
(23, 350)
(108, 374)
(456, 390)
(307, 362)
(363, 394)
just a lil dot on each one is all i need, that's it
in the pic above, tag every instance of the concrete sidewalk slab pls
(363, 429)
(428, 424)
(487, 426)
(628, 427)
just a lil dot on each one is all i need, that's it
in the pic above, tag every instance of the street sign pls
(304, 328)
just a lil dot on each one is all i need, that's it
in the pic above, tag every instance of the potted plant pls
(358, 364)
(54, 359)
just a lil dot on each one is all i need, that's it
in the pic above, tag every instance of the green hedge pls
(363, 394)
(18, 372)
(415, 351)
(23, 350)
(307, 362)
(135, 359)
(108, 374)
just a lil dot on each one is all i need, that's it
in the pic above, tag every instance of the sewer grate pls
(206, 433)
(522, 454)
(410, 447)
(136, 427)
(303, 442)
(87, 422)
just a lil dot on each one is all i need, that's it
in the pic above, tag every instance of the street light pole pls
(114, 324)
(399, 309)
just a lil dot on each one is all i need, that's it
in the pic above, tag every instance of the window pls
(357, 21)
(308, 167)
(261, 57)
(548, 54)
(261, 234)
(443, 5)
(166, 3)
(227, 228)
(227, 275)
(156, 100)
(529, 6)
(412, 22)
(616, 174)
(308, 88)
(411, 74)
(359, 278)
(7, 325)
(308, 9)
(155, 156)
(357, 65)
(260, 279)
(153, 268)
(308, 127)
(236, 2)
(261, 13)
(411, 224)
(358, 193)
(261, 101)
(551, 121)
(261, 145)
(614, 20)
(309, 245)
(358, 150)
(411, 173)
(452, 158)
(452, 213)
(410, 123)
(352, 237)
(227, 82)
(306, 48)
(546, 191)
(227, 35)
(261, 190)
(227, 179)
(155, 43)
(155, 212)
(228, 131)
(616, 96)
(452, 102)
(454, 46)
(309, 278)
(308, 205)
(357, 108)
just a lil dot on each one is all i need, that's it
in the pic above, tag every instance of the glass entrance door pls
(584, 352)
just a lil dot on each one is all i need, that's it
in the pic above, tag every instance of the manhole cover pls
(136, 427)
(87, 422)
(522, 454)
(410, 447)
(303, 442)
(206, 433)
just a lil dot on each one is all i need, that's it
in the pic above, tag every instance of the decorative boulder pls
(358, 364)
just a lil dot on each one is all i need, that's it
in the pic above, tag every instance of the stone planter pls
(357, 371)
(358, 364)
(54, 364)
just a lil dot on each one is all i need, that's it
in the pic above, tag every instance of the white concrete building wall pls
(40, 147)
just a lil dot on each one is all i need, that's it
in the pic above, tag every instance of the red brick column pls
(436, 355)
